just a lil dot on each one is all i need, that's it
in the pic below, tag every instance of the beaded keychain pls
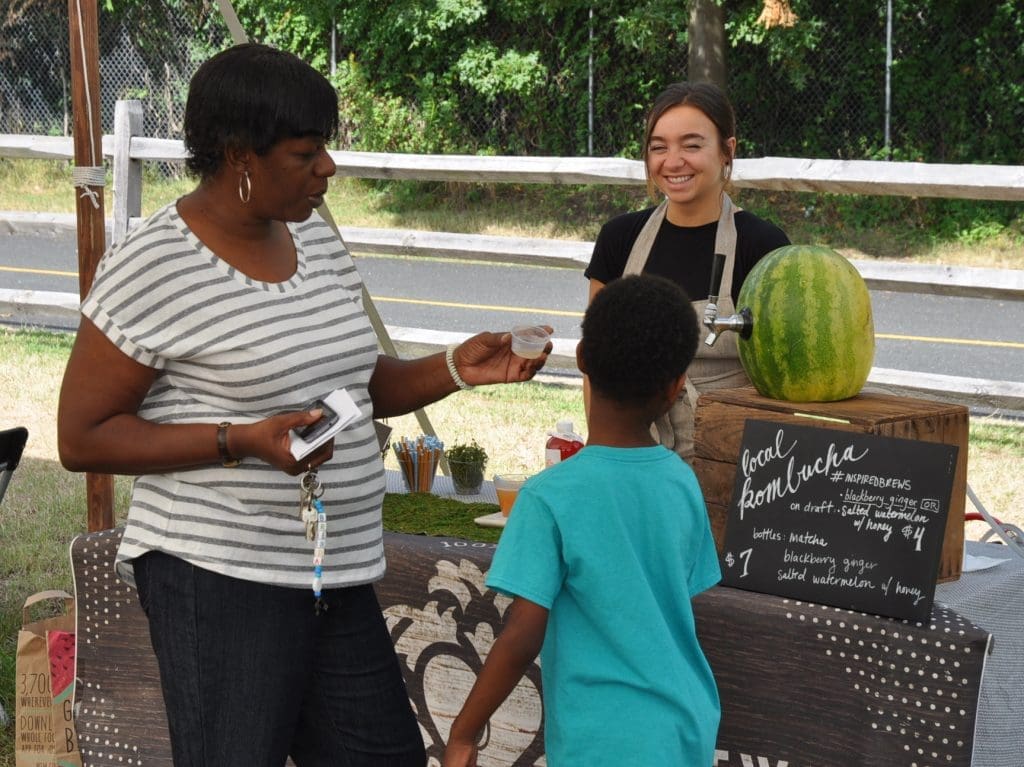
(311, 512)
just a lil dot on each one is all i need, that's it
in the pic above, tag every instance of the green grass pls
(996, 435)
(45, 505)
(963, 232)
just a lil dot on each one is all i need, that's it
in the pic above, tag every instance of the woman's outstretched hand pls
(487, 358)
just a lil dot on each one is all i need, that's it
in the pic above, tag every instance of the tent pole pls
(89, 178)
(239, 36)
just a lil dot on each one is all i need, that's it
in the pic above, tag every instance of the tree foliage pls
(514, 76)
(12, 14)
(956, 80)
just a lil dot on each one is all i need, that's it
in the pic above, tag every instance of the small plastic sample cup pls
(507, 487)
(528, 341)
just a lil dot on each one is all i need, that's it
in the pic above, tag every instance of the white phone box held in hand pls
(339, 411)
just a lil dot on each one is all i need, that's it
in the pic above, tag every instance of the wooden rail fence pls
(128, 150)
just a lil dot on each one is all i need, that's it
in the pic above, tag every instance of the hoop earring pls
(244, 187)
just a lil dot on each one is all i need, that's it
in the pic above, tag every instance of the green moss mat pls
(423, 513)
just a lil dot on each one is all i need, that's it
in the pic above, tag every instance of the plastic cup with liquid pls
(507, 487)
(528, 341)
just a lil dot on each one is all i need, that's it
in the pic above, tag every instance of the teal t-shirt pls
(615, 542)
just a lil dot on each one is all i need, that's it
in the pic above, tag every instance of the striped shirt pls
(228, 347)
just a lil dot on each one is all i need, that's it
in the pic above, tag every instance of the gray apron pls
(714, 367)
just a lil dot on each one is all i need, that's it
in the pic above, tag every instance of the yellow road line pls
(487, 307)
(562, 313)
(960, 341)
(39, 271)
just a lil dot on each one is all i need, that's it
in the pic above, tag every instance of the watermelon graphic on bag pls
(60, 647)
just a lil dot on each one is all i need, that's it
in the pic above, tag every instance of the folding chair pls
(1007, 533)
(12, 443)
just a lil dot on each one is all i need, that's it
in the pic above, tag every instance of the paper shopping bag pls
(60, 647)
(44, 724)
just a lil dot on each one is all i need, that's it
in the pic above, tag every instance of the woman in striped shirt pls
(205, 334)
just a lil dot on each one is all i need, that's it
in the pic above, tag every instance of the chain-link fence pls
(149, 54)
(947, 88)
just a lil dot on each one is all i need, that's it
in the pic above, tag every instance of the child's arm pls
(511, 654)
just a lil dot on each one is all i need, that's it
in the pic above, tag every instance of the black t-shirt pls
(683, 254)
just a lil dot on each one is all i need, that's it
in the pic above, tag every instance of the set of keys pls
(312, 514)
(310, 508)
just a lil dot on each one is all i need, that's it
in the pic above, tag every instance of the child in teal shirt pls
(603, 553)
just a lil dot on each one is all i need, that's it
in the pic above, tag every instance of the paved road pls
(975, 338)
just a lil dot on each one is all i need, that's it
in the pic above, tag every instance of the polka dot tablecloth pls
(808, 685)
(801, 684)
(119, 712)
(994, 600)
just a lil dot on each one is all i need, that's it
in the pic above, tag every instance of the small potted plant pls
(467, 463)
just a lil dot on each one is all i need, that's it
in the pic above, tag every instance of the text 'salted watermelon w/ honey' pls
(813, 336)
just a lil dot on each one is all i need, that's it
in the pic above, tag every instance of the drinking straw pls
(418, 459)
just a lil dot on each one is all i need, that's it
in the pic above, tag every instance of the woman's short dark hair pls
(251, 96)
(640, 334)
(708, 98)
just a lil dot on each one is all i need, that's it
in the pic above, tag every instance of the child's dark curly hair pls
(640, 333)
(251, 96)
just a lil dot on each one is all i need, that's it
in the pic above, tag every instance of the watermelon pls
(813, 336)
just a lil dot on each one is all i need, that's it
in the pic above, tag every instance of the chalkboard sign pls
(840, 518)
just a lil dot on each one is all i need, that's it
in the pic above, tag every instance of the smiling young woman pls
(689, 147)
(688, 163)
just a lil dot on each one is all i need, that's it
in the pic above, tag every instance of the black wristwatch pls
(226, 459)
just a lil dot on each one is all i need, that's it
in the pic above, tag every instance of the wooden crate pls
(718, 432)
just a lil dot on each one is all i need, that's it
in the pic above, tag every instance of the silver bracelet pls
(449, 358)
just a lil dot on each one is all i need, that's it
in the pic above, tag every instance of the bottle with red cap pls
(562, 443)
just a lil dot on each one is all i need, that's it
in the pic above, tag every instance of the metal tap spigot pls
(741, 323)
(710, 316)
